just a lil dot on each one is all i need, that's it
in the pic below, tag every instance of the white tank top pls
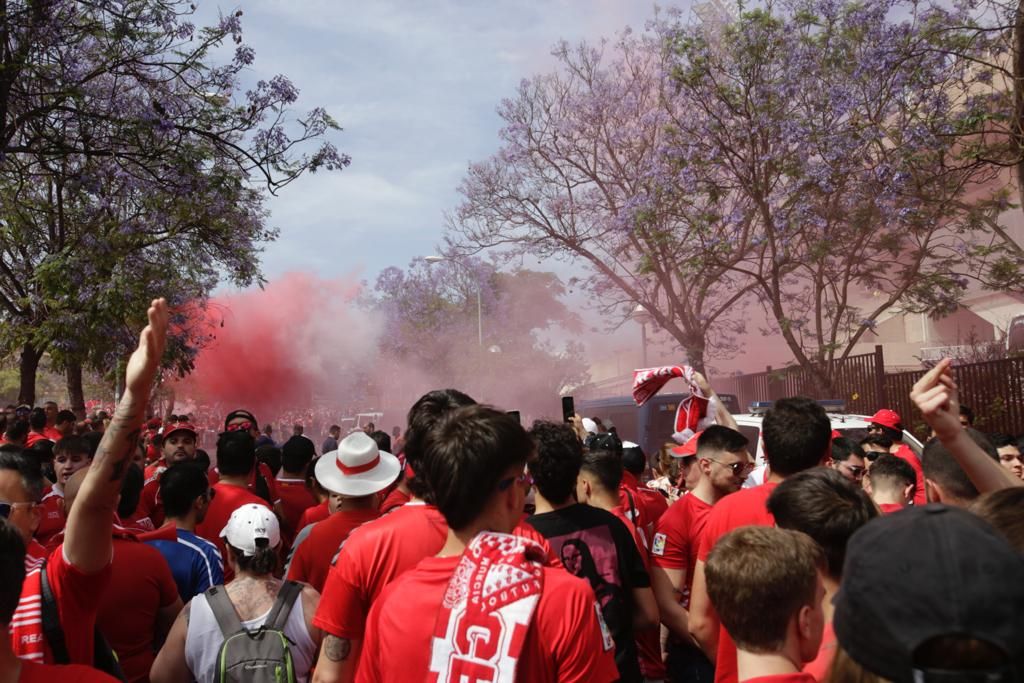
(204, 639)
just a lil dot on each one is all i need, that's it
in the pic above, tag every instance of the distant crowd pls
(463, 547)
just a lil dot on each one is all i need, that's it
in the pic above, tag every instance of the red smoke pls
(277, 348)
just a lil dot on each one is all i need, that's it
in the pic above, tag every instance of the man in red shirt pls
(296, 454)
(829, 508)
(646, 505)
(723, 463)
(890, 483)
(69, 456)
(12, 575)
(783, 569)
(236, 458)
(79, 570)
(797, 436)
(178, 445)
(138, 612)
(888, 423)
(542, 625)
(377, 553)
(356, 471)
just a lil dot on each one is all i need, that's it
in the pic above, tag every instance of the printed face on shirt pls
(1010, 458)
(66, 464)
(179, 447)
(24, 513)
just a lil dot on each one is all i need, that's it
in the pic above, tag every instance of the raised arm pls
(87, 541)
(935, 395)
(722, 414)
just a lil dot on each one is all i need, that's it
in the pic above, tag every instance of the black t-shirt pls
(595, 545)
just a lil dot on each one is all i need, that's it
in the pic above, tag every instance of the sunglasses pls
(6, 508)
(523, 478)
(239, 427)
(855, 471)
(738, 468)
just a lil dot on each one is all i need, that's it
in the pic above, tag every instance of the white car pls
(854, 427)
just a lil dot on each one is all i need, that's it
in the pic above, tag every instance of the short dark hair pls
(74, 444)
(296, 453)
(66, 416)
(606, 466)
(202, 458)
(12, 570)
(843, 448)
(1002, 440)
(16, 430)
(92, 439)
(796, 434)
(382, 439)
(1002, 509)
(716, 439)
(967, 412)
(633, 459)
(465, 455)
(940, 466)
(14, 459)
(826, 506)
(880, 440)
(892, 472)
(430, 408)
(37, 418)
(180, 486)
(334, 428)
(263, 561)
(236, 453)
(758, 578)
(131, 490)
(557, 460)
(271, 456)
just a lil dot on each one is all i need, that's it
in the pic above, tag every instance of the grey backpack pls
(260, 656)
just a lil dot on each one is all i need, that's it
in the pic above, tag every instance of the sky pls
(415, 85)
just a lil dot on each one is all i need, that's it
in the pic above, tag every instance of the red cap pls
(180, 427)
(688, 448)
(836, 434)
(887, 418)
(154, 423)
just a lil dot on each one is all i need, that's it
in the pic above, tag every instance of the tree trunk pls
(76, 394)
(30, 356)
(695, 357)
(1017, 126)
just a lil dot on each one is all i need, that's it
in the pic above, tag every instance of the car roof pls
(838, 420)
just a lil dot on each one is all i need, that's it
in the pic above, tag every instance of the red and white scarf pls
(692, 414)
(487, 609)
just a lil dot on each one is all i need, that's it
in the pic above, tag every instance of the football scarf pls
(692, 413)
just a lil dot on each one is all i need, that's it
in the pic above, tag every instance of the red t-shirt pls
(155, 469)
(149, 506)
(69, 673)
(795, 677)
(564, 642)
(746, 507)
(78, 597)
(34, 438)
(35, 555)
(904, 452)
(312, 560)
(649, 505)
(396, 498)
(295, 500)
(141, 584)
(264, 470)
(52, 434)
(889, 508)
(226, 500)
(317, 513)
(819, 668)
(677, 537)
(51, 516)
(373, 556)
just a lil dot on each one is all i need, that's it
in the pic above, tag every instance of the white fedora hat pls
(357, 468)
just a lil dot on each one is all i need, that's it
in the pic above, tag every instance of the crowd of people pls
(471, 549)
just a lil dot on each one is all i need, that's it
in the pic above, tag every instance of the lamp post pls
(479, 310)
(642, 316)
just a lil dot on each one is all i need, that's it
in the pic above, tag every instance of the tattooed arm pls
(87, 540)
(338, 657)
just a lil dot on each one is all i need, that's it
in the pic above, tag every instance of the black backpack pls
(103, 656)
(260, 656)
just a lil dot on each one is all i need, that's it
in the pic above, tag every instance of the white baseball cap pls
(357, 468)
(249, 524)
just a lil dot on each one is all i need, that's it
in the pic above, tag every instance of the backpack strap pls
(278, 617)
(223, 611)
(50, 616)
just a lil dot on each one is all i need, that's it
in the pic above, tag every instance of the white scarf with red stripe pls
(692, 413)
(487, 609)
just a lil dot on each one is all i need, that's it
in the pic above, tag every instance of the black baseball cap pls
(926, 572)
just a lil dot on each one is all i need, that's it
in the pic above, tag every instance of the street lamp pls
(644, 317)
(479, 314)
